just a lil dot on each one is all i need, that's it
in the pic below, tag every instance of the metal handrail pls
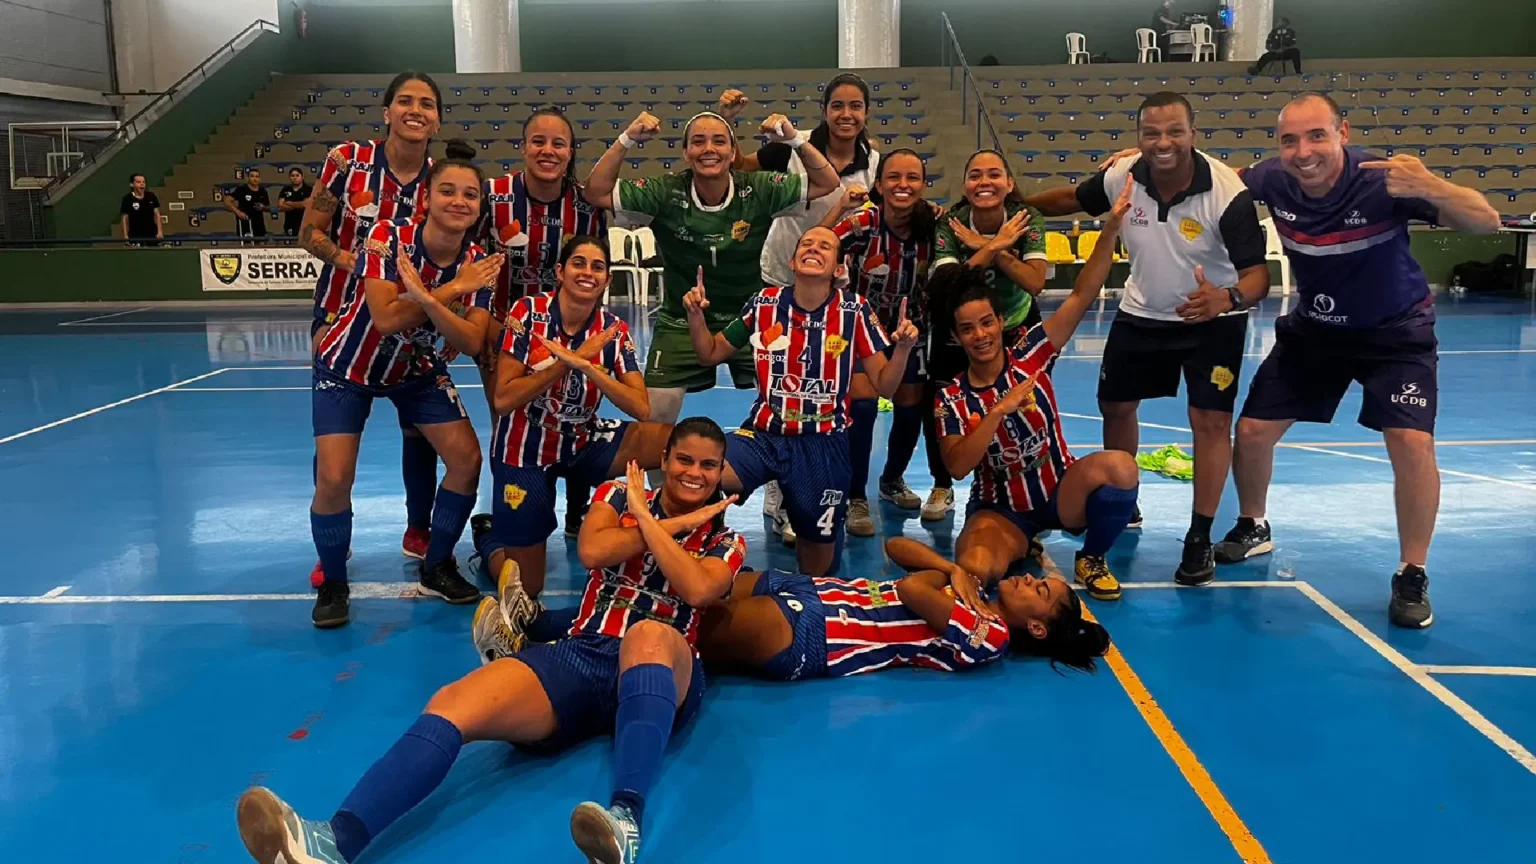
(949, 44)
(152, 111)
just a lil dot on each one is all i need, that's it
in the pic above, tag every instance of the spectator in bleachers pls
(841, 137)
(141, 212)
(1280, 46)
(250, 204)
(292, 199)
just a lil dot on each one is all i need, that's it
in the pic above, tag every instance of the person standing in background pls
(1281, 46)
(1164, 21)
(141, 212)
(292, 199)
(249, 203)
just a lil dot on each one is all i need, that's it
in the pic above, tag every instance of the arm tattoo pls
(323, 201)
(317, 244)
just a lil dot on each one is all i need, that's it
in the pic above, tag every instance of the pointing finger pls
(901, 314)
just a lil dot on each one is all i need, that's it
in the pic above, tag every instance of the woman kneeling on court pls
(805, 341)
(630, 667)
(561, 354)
(999, 419)
(420, 280)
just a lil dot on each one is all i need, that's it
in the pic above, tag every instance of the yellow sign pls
(1190, 229)
(739, 230)
(513, 495)
(1222, 377)
(836, 345)
(226, 267)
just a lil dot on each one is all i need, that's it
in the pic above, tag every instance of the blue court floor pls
(156, 656)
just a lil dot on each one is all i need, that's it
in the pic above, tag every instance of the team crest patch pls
(836, 345)
(739, 230)
(1222, 377)
(226, 267)
(339, 158)
(1190, 229)
(775, 339)
(745, 433)
(513, 495)
(376, 247)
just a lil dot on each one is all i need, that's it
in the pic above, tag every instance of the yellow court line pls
(1248, 847)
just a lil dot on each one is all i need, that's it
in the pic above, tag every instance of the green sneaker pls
(885, 405)
(1168, 461)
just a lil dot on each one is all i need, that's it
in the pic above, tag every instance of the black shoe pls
(331, 607)
(1198, 566)
(443, 580)
(573, 517)
(1410, 599)
(1135, 523)
(479, 526)
(1246, 539)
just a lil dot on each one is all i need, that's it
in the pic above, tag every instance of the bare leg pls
(1213, 457)
(988, 544)
(1254, 462)
(1415, 490)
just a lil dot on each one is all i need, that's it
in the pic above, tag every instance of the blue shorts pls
(813, 474)
(580, 675)
(917, 363)
(1031, 524)
(1312, 365)
(341, 407)
(806, 656)
(523, 512)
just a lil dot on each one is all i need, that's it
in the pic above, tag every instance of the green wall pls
(90, 208)
(351, 39)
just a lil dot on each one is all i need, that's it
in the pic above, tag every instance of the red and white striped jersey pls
(356, 350)
(883, 267)
(805, 358)
(358, 174)
(619, 597)
(559, 421)
(531, 233)
(869, 628)
(1028, 455)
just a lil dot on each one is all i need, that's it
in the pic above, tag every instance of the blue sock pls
(404, 776)
(906, 428)
(1108, 509)
(333, 537)
(552, 624)
(418, 468)
(861, 440)
(449, 516)
(647, 707)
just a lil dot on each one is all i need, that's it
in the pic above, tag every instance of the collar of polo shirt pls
(1200, 183)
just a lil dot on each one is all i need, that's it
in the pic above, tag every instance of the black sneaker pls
(1410, 599)
(479, 526)
(1198, 566)
(1135, 523)
(1246, 539)
(331, 606)
(443, 580)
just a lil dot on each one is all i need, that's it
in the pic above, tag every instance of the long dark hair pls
(952, 286)
(822, 134)
(1014, 198)
(552, 111)
(925, 216)
(569, 248)
(1070, 640)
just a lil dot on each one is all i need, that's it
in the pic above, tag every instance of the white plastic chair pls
(1146, 46)
(1077, 47)
(621, 259)
(644, 250)
(1203, 38)
(1274, 251)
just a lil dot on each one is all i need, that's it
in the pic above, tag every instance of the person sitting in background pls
(292, 200)
(1281, 46)
(141, 212)
(249, 203)
(1163, 21)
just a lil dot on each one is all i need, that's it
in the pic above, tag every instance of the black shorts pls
(1144, 358)
(1305, 375)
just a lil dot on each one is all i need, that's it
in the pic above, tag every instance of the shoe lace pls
(1094, 567)
(1412, 586)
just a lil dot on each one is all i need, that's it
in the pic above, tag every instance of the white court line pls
(1255, 584)
(274, 389)
(1445, 353)
(101, 317)
(1446, 471)
(1512, 671)
(54, 592)
(1421, 677)
(359, 591)
(83, 414)
(311, 368)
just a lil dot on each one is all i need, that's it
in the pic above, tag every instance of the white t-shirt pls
(1212, 224)
(785, 232)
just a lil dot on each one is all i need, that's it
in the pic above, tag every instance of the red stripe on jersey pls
(884, 268)
(357, 174)
(532, 234)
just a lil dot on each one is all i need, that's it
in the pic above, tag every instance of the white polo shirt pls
(785, 232)
(1212, 224)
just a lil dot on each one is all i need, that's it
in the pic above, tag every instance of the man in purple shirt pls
(1364, 314)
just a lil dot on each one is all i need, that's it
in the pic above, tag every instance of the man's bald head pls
(1312, 134)
(1322, 99)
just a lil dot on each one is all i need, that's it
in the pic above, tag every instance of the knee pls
(1119, 469)
(452, 703)
(980, 563)
(1409, 442)
(334, 478)
(666, 403)
(647, 642)
(1213, 424)
(1255, 434)
(1117, 410)
(464, 457)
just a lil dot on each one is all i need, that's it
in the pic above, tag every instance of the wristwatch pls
(1237, 297)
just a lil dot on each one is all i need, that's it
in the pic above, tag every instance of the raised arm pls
(1090, 280)
(605, 542)
(627, 394)
(605, 174)
(1456, 207)
(712, 349)
(1061, 201)
(923, 593)
(516, 385)
(886, 373)
(319, 213)
(820, 177)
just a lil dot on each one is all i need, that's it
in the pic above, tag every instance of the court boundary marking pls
(78, 321)
(110, 405)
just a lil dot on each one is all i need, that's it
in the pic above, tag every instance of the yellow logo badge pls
(1190, 229)
(745, 433)
(1222, 377)
(513, 495)
(226, 267)
(836, 345)
(739, 230)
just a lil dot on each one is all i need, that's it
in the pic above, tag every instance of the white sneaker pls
(773, 500)
(938, 505)
(606, 835)
(273, 833)
(785, 530)
(859, 523)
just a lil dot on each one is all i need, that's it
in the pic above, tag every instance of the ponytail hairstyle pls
(459, 154)
(552, 111)
(1014, 198)
(1069, 640)
(823, 133)
(925, 216)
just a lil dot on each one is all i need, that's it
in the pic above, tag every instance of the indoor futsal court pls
(158, 658)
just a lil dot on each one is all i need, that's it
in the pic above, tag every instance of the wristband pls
(625, 141)
(800, 140)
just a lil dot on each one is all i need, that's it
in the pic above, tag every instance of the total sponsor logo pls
(796, 387)
(1322, 310)
(1411, 396)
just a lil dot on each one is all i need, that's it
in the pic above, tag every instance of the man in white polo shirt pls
(1197, 263)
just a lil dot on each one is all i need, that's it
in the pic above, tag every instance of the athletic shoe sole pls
(1234, 553)
(331, 623)
(1194, 580)
(885, 496)
(1411, 626)
(262, 829)
(424, 591)
(592, 831)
